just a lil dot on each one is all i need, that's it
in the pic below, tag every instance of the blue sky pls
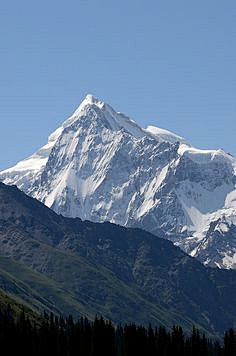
(168, 63)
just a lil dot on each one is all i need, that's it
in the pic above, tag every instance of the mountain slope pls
(123, 274)
(46, 273)
(101, 166)
(11, 304)
(37, 291)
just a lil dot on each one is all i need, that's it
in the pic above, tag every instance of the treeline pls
(63, 337)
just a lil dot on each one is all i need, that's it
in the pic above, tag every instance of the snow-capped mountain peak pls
(100, 165)
(89, 100)
(97, 109)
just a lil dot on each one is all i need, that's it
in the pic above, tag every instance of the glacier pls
(100, 165)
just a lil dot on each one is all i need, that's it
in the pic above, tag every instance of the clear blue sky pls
(168, 63)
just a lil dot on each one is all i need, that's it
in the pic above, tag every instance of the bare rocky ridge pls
(101, 268)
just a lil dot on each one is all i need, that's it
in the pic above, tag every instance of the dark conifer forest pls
(57, 336)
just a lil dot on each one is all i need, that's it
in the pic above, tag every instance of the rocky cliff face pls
(101, 166)
(77, 267)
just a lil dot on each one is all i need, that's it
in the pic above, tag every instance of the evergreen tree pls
(63, 337)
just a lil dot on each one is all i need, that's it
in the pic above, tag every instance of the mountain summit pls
(102, 166)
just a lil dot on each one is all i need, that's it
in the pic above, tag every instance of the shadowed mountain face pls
(90, 268)
(101, 166)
